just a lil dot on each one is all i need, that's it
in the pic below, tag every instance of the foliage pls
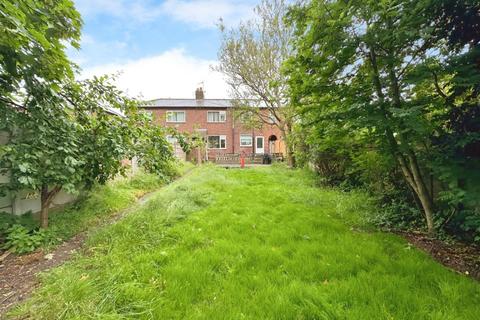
(33, 37)
(7, 220)
(62, 134)
(391, 104)
(188, 141)
(251, 58)
(21, 233)
(262, 243)
(154, 152)
(77, 137)
(21, 240)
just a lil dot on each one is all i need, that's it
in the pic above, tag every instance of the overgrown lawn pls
(92, 208)
(260, 243)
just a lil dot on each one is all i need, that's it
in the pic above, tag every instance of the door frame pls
(263, 144)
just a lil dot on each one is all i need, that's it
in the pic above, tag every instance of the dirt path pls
(462, 258)
(19, 274)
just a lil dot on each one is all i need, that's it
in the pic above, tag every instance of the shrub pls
(21, 240)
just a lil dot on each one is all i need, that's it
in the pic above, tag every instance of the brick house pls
(214, 120)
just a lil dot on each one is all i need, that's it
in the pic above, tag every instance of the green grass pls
(251, 244)
(93, 208)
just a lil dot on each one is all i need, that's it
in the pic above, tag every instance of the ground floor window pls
(246, 140)
(217, 142)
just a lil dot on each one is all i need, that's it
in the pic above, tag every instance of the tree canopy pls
(251, 57)
(63, 134)
(391, 77)
(33, 38)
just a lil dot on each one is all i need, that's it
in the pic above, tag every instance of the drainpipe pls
(233, 133)
(254, 144)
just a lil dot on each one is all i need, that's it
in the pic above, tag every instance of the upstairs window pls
(175, 116)
(246, 140)
(217, 142)
(216, 116)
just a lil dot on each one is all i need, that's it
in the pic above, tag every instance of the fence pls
(252, 158)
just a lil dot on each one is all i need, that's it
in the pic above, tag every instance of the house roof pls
(114, 111)
(189, 103)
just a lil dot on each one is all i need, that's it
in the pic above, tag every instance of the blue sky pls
(163, 48)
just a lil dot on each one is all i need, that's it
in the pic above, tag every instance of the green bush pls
(21, 240)
(7, 220)
(21, 234)
(397, 215)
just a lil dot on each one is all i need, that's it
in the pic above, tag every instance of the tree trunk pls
(423, 193)
(199, 156)
(46, 199)
(286, 135)
(44, 208)
(407, 160)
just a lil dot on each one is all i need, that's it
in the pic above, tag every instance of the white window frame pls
(251, 140)
(176, 111)
(220, 113)
(220, 138)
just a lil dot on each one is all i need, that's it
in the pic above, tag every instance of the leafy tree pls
(43, 152)
(33, 64)
(367, 70)
(110, 126)
(62, 134)
(33, 36)
(251, 57)
(153, 151)
(76, 138)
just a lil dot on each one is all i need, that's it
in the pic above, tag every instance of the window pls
(175, 116)
(216, 116)
(245, 140)
(217, 142)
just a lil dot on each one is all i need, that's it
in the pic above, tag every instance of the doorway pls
(259, 145)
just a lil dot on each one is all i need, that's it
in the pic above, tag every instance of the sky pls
(161, 49)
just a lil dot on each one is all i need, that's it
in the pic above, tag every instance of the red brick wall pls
(196, 118)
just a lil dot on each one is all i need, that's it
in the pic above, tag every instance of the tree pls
(62, 134)
(74, 138)
(367, 68)
(33, 36)
(42, 153)
(33, 64)
(153, 151)
(251, 57)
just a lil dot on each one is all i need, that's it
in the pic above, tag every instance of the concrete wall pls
(26, 200)
(5, 201)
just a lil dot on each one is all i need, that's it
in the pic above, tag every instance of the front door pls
(259, 145)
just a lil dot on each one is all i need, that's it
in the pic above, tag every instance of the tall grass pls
(93, 207)
(251, 244)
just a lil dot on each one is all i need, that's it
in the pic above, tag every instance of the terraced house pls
(214, 119)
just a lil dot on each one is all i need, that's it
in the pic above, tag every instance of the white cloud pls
(206, 13)
(172, 74)
(92, 50)
(199, 13)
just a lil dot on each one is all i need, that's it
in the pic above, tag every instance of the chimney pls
(199, 95)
